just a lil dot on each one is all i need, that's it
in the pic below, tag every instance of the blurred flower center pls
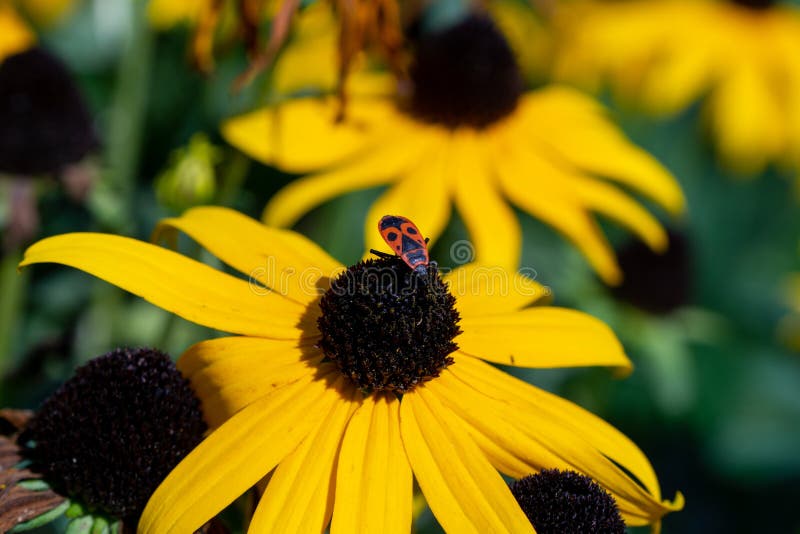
(658, 283)
(755, 4)
(465, 75)
(388, 327)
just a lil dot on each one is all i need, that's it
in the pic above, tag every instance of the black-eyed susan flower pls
(45, 129)
(345, 384)
(666, 54)
(468, 135)
(107, 438)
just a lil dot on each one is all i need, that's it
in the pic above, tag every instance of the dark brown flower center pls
(113, 431)
(657, 283)
(755, 4)
(388, 327)
(465, 75)
(44, 122)
(565, 501)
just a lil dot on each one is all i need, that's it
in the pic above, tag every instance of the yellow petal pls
(164, 14)
(15, 36)
(373, 476)
(542, 337)
(616, 205)
(549, 203)
(747, 121)
(422, 195)
(299, 496)
(681, 74)
(386, 162)
(546, 185)
(228, 374)
(284, 261)
(177, 284)
(235, 456)
(483, 290)
(491, 223)
(310, 60)
(465, 493)
(303, 135)
(529, 426)
(565, 121)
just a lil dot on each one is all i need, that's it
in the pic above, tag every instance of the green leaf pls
(34, 485)
(75, 509)
(100, 526)
(81, 525)
(42, 519)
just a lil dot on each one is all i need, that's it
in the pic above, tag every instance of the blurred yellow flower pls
(301, 392)
(467, 134)
(15, 35)
(46, 12)
(166, 14)
(665, 54)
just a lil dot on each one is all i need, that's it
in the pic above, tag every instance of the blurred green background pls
(715, 397)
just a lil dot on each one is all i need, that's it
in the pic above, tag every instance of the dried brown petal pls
(18, 504)
(10, 455)
(16, 418)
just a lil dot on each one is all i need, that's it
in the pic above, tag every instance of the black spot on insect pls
(391, 236)
(411, 230)
(391, 222)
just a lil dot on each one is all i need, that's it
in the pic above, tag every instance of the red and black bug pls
(406, 241)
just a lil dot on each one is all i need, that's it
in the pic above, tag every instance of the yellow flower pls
(665, 54)
(47, 12)
(15, 35)
(467, 135)
(165, 14)
(340, 451)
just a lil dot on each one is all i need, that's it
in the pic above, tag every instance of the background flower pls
(470, 137)
(667, 54)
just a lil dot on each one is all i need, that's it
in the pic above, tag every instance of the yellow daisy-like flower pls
(665, 54)
(467, 135)
(309, 390)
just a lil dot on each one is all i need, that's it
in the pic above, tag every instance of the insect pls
(405, 239)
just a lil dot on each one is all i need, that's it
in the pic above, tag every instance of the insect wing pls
(405, 240)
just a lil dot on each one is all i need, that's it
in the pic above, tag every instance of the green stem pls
(12, 289)
(113, 198)
(232, 179)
